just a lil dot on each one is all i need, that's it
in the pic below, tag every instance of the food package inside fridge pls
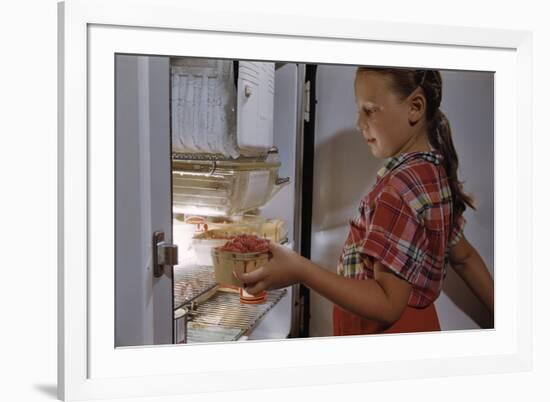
(223, 188)
(274, 230)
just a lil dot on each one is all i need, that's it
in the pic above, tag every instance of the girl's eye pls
(368, 111)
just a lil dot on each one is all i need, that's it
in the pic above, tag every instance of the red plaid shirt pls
(404, 223)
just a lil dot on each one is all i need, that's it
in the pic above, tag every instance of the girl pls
(410, 225)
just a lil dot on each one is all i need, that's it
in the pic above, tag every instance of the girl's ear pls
(417, 106)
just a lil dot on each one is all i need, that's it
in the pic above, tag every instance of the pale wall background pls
(345, 170)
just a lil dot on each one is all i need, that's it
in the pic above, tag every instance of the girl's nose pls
(360, 127)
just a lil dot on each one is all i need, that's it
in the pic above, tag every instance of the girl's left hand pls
(284, 268)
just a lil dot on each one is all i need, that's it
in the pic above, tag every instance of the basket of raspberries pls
(242, 253)
(245, 243)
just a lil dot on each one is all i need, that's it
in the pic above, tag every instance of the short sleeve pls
(458, 231)
(395, 236)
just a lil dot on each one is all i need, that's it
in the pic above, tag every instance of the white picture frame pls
(91, 32)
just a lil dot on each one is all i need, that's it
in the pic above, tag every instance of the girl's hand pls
(284, 268)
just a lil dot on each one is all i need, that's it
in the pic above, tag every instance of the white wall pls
(345, 170)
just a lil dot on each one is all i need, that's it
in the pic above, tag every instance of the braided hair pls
(404, 82)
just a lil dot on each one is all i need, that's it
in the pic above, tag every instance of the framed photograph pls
(182, 130)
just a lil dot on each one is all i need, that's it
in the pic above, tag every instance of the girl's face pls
(382, 118)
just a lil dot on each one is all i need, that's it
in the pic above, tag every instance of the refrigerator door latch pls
(164, 253)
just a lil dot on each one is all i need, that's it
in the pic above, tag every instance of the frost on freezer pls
(218, 110)
(255, 103)
(203, 106)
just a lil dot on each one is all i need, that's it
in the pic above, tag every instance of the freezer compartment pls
(203, 112)
(219, 109)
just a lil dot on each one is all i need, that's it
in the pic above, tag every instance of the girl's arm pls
(469, 265)
(382, 299)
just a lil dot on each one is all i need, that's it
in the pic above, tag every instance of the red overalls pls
(412, 320)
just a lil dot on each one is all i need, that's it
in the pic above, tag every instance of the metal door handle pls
(164, 253)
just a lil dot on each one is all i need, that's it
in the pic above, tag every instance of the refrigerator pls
(203, 145)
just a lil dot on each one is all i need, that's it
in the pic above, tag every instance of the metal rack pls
(191, 282)
(226, 315)
(217, 316)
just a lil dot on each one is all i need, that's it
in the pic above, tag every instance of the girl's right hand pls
(284, 268)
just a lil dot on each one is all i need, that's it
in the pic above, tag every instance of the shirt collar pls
(431, 156)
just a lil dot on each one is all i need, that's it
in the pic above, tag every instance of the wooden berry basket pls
(225, 262)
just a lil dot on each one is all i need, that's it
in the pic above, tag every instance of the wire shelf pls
(190, 282)
(221, 317)
(224, 318)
